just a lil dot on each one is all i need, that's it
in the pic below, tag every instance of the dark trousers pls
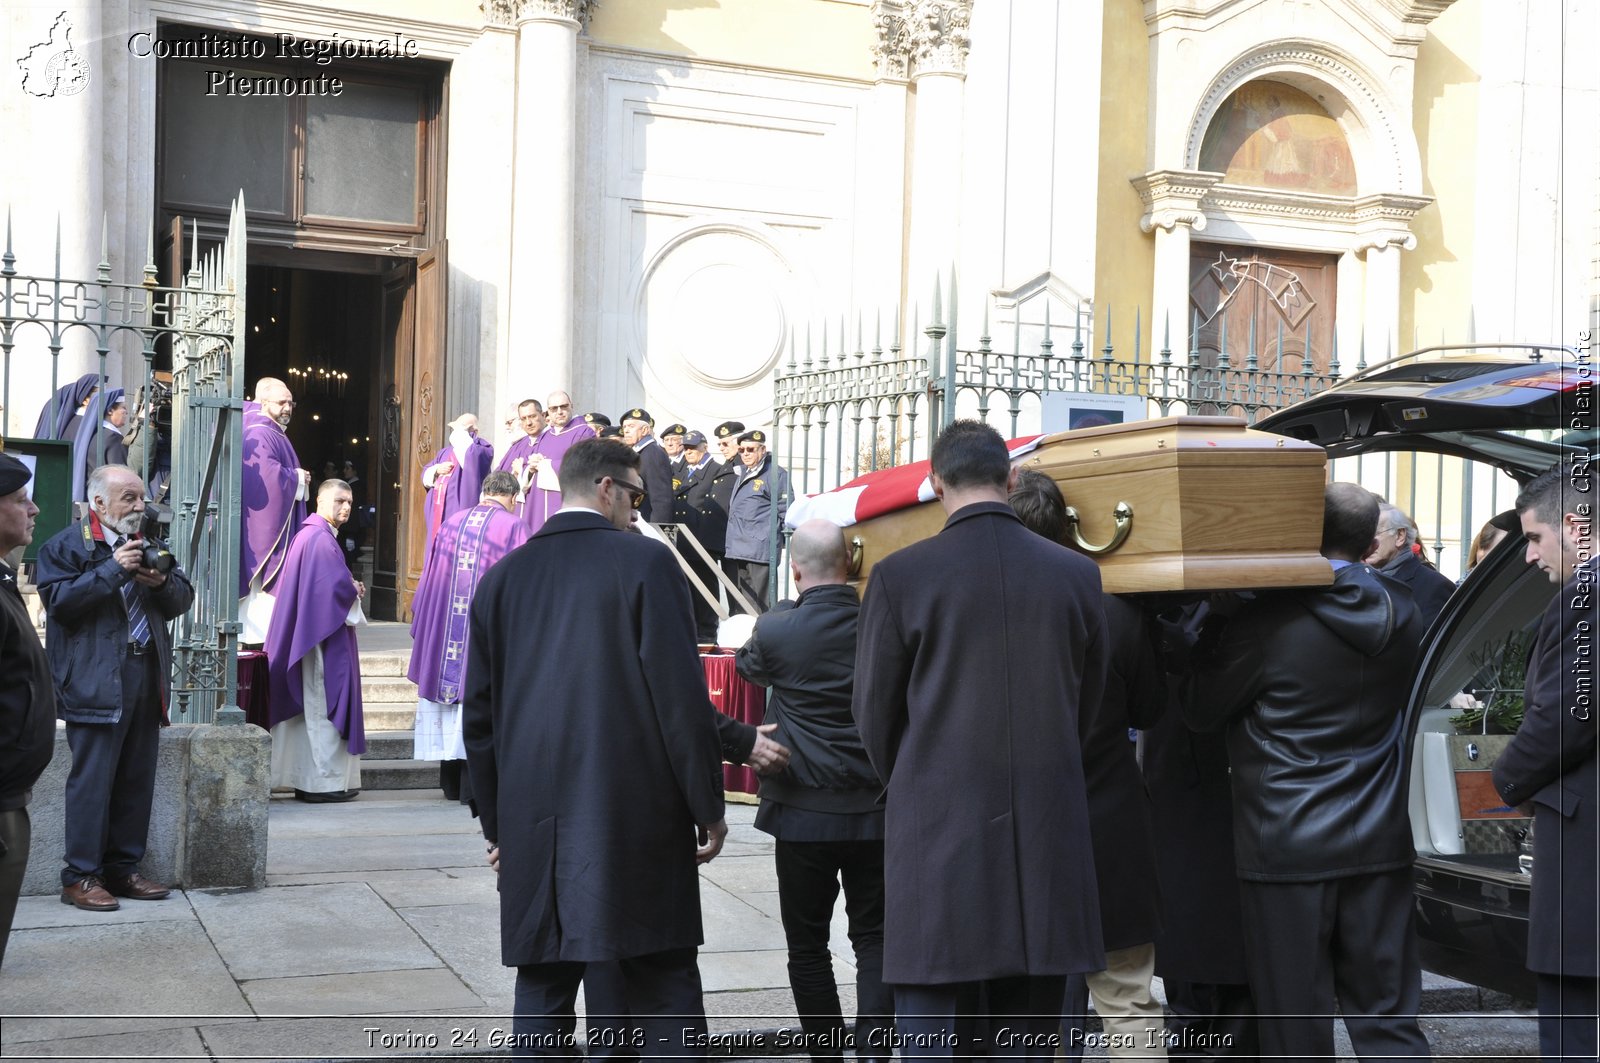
(1567, 1016)
(16, 834)
(1308, 944)
(1207, 1020)
(809, 875)
(113, 780)
(1021, 1018)
(666, 1013)
(751, 578)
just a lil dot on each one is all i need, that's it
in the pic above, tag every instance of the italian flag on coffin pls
(881, 492)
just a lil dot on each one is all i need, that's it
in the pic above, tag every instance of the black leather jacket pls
(807, 655)
(1312, 687)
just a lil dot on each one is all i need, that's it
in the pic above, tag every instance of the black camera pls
(153, 531)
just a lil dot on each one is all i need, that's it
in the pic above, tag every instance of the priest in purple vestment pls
(273, 492)
(561, 434)
(454, 478)
(467, 545)
(313, 664)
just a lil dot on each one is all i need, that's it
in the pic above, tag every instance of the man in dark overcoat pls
(1394, 554)
(1551, 763)
(595, 759)
(969, 686)
(1119, 809)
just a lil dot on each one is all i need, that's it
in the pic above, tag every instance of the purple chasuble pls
(466, 546)
(541, 505)
(314, 598)
(270, 511)
(459, 488)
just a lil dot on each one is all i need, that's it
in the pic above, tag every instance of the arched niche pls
(1271, 134)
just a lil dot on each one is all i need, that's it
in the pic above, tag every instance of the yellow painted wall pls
(824, 37)
(1124, 261)
(1436, 278)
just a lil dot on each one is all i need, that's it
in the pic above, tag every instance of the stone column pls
(934, 37)
(539, 351)
(886, 135)
(1172, 211)
(1381, 306)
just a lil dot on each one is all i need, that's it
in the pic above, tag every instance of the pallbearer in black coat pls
(1551, 762)
(978, 649)
(595, 760)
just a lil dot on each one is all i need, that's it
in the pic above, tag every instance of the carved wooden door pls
(1283, 293)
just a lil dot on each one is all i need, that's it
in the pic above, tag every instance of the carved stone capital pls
(512, 12)
(1172, 198)
(915, 37)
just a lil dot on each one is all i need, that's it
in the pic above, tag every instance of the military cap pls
(596, 420)
(13, 475)
(610, 431)
(694, 439)
(637, 414)
(673, 430)
(728, 428)
(755, 435)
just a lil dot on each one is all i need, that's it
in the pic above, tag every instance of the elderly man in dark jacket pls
(1551, 762)
(27, 704)
(823, 809)
(111, 658)
(969, 685)
(1311, 686)
(1394, 554)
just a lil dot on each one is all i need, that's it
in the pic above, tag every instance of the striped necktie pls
(138, 621)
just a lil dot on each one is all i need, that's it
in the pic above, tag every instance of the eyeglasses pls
(559, 406)
(748, 450)
(635, 491)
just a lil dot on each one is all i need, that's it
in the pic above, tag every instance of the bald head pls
(817, 554)
(277, 402)
(1349, 520)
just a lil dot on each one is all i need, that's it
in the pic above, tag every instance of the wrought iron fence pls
(856, 408)
(200, 326)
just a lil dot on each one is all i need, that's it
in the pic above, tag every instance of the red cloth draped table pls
(253, 693)
(735, 696)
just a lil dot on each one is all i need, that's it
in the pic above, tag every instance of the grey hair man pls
(1393, 553)
(108, 594)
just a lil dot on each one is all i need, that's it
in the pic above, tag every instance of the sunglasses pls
(748, 450)
(635, 491)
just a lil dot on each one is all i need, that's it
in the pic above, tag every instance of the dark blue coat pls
(1551, 762)
(86, 633)
(978, 649)
(592, 744)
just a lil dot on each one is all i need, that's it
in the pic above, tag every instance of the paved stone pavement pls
(377, 936)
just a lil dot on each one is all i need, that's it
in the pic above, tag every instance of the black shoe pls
(326, 798)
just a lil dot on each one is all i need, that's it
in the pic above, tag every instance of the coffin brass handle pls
(857, 551)
(1124, 517)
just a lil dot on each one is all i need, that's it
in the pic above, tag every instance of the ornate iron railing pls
(200, 326)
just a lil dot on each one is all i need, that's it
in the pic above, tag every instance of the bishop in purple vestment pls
(454, 478)
(467, 545)
(312, 636)
(561, 435)
(273, 505)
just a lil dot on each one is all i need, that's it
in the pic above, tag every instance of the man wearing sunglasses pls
(593, 751)
(752, 527)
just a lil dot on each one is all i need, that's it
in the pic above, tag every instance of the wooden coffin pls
(1210, 504)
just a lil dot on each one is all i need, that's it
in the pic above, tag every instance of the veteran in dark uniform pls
(759, 502)
(638, 429)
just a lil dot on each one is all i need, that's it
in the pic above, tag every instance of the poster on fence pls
(1061, 411)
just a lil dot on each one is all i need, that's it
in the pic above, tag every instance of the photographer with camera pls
(109, 588)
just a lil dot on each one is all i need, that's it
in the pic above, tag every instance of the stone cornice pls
(1373, 221)
(511, 12)
(1402, 23)
(1173, 197)
(917, 37)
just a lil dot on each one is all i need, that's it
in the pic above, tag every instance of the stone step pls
(399, 774)
(388, 688)
(384, 665)
(387, 745)
(389, 715)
